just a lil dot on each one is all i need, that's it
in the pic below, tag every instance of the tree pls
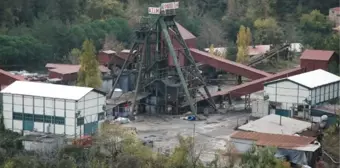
(89, 74)
(261, 157)
(314, 27)
(268, 31)
(260, 9)
(231, 53)
(73, 56)
(243, 41)
(211, 49)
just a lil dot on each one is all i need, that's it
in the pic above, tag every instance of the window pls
(48, 119)
(17, 116)
(80, 121)
(28, 117)
(39, 118)
(60, 120)
(101, 116)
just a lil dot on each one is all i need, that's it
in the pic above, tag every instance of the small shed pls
(301, 149)
(308, 88)
(43, 143)
(319, 59)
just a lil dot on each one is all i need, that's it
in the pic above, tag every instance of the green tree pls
(89, 74)
(261, 157)
(267, 31)
(260, 9)
(243, 41)
(314, 27)
(10, 164)
(231, 53)
(74, 56)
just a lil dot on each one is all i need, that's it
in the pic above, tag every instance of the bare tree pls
(111, 43)
(211, 33)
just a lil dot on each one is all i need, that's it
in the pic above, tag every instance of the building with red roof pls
(67, 72)
(318, 59)
(6, 78)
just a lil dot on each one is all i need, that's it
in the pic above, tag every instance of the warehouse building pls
(51, 108)
(299, 93)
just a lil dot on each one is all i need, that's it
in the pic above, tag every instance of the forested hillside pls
(34, 32)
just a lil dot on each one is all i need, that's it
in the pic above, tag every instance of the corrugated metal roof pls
(259, 49)
(315, 78)
(47, 90)
(322, 55)
(271, 124)
(69, 68)
(15, 77)
(275, 140)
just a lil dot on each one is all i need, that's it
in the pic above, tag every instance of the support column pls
(178, 68)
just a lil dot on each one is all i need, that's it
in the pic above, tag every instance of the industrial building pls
(300, 92)
(51, 108)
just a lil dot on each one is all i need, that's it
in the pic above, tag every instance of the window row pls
(39, 118)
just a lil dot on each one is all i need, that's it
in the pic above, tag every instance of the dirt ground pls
(210, 135)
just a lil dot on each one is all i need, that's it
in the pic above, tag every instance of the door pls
(28, 125)
(90, 128)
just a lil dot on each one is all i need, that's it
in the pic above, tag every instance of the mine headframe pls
(169, 74)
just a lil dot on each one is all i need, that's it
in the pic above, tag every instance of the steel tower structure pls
(171, 81)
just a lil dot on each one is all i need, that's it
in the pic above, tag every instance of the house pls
(52, 108)
(334, 15)
(300, 149)
(67, 72)
(293, 96)
(319, 59)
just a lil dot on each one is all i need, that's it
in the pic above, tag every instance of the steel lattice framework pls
(172, 85)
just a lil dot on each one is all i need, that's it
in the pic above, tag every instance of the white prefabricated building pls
(310, 88)
(52, 108)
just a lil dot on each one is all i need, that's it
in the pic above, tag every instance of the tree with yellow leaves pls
(211, 49)
(89, 74)
(243, 41)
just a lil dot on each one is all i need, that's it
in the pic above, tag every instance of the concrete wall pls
(44, 147)
(259, 108)
(242, 145)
